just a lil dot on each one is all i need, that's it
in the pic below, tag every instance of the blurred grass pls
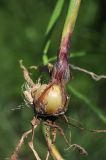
(22, 29)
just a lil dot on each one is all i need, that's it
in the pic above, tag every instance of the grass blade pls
(94, 108)
(53, 21)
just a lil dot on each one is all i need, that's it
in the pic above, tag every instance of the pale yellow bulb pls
(53, 99)
(50, 100)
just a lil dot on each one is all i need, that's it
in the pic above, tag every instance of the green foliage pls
(23, 25)
(52, 23)
(89, 103)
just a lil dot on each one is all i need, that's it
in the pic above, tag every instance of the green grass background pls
(22, 28)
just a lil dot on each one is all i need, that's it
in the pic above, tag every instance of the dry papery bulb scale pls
(48, 99)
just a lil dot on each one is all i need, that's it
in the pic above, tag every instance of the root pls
(15, 154)
(26, 75)
(80, 149)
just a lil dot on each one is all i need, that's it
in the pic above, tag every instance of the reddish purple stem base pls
(61, 71)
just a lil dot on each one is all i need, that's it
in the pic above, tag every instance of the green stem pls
(69, 26)
(61, 71)
(71, 17)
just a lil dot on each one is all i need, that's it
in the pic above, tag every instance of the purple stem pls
(61, 72)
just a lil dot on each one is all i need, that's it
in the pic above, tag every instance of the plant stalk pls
(69, 27)
(61, 71)
(51, 147)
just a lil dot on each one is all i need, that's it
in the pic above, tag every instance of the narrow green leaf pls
(53, 21)
(55, 15)
(94, 108)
